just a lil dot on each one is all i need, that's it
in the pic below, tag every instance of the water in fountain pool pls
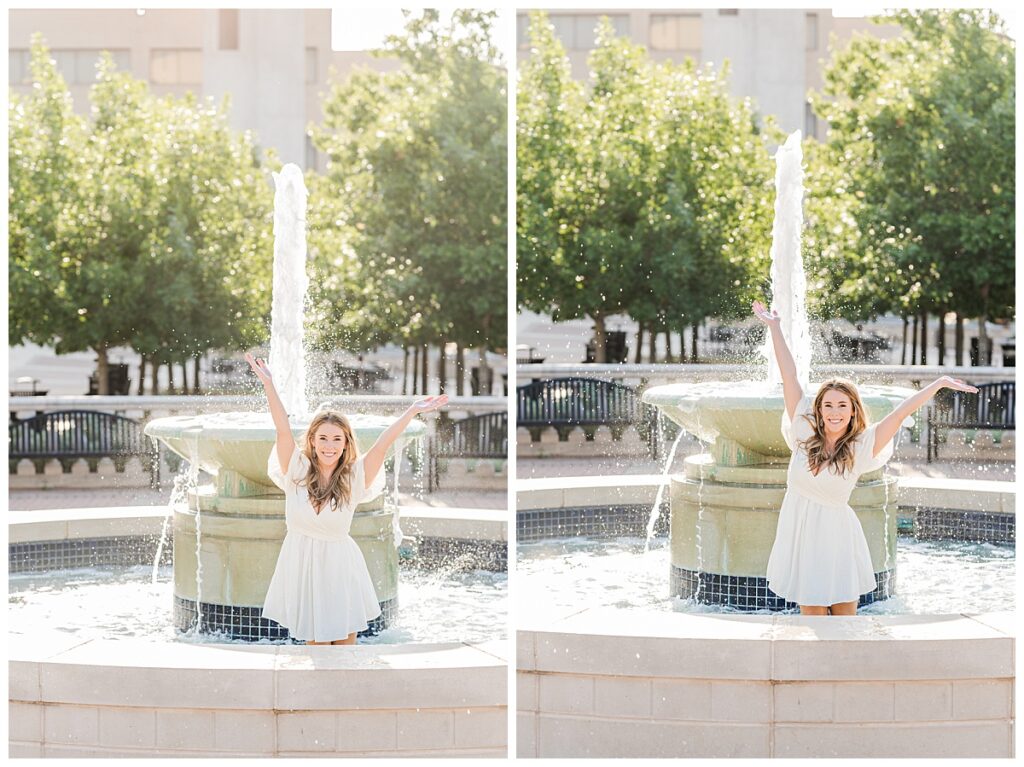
(935, 577)
(120, 603)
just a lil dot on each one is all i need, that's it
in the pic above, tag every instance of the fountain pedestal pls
(725, 505)
(723, 527)
(227, 536)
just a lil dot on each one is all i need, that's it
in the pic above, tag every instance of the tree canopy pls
(647, 192)
(921, 152)
(408, 226)
(145, 225)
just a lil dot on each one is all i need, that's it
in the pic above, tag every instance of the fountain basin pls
(603, 679)
(740, 420)
(235, 446)
(176, 698)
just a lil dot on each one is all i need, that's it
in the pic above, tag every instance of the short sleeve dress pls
(321, 590)
(820, 555)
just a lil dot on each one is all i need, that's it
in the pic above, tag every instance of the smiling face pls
(329, 442)
(836, 411)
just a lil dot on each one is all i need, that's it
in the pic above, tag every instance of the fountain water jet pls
(221, 576)
(724, 507)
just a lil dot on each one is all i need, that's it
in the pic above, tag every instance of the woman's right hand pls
(762, 313)
(259, 367)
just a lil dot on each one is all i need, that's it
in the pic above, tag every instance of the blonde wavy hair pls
(842, 453)
(338, 489)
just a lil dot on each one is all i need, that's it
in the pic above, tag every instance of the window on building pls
(523, 31)
(675, 31)
(810, 120)
(812, 31)
(176, 66)
(311, 66)
(227, 28)
(18, 70)
(77, 67)
(578, 31)
(728, 11)
(311, 154)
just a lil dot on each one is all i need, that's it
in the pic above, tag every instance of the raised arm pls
(889, 425)
(791, 390)
(285, 442)
(375, 455)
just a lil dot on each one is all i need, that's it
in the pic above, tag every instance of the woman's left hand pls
(429, 403)
(948, 382)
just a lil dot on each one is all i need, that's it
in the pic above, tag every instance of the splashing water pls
(396, 527)
(656, 508)
(789, 286)
(287, 353)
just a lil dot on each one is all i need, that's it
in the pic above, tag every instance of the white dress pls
(820, 555)
(321, 590)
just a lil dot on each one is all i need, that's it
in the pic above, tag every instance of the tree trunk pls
(924, 338)
(405, 370)
(102, 371)
(983, 341)
(154, 371)
(142, 375)
(940, 339)
(903, 352)
(415, 369)
(184, 377)
(425, 359)
(693, 342)
(442, 369)
(486, 382)
(460, 370)
(669, 356)
(913, 340)
(599, 339)
(638, 357)
(958, 340)
(652, 345)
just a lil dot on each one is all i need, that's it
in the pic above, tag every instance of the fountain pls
(433, 684)
(607, 666)
(724, 507)
(228, 535)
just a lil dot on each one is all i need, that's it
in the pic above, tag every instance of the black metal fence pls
(478, 436)
(566, 403)
(69, 435)
(992, 408)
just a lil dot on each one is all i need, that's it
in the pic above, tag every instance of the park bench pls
(69, 435)
(992, 408)
(566, 403)
(478, 436)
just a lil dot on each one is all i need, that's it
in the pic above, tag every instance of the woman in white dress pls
(820, 557)
(321, 590)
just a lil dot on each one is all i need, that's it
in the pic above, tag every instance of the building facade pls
(274, 64)
(776, 57)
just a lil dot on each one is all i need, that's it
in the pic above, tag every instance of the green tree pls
(648, 193)
(145, 226)
(923, 128)
(412, 245)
